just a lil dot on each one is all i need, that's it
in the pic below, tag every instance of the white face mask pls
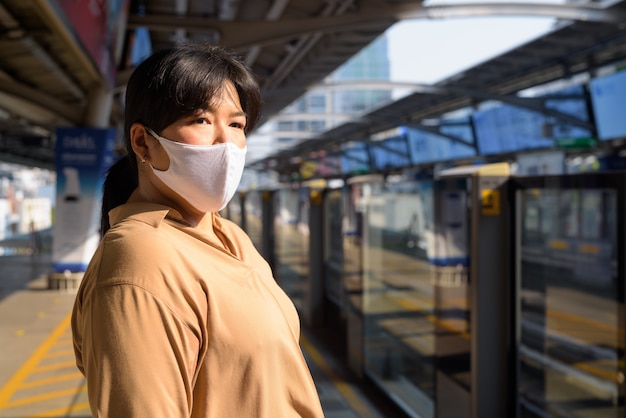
(206, 176)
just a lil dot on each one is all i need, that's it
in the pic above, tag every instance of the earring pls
(143, 160)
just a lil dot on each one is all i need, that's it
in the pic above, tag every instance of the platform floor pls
(38, 376)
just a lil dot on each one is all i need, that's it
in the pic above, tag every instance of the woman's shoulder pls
(138, 241)
(136, 260)
(136, 228)
(134, 236)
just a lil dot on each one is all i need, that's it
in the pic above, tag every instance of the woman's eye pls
(238, 125)
(201, 120)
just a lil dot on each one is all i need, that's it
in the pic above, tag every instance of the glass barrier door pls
(450, 260)
(254, 223)
(570, 298)
(398, 294)
(292, 243)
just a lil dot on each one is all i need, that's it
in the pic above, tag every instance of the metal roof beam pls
(52, 67)
(41, 100)
(275, 11)
(241, 34)
(303, 45)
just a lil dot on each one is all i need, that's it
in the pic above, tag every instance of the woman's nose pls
(224, 133)
(221, 134)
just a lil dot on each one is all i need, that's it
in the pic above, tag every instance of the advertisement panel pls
(100, 26)
(83, 155)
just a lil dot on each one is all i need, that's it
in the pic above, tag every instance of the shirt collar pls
(150, 213)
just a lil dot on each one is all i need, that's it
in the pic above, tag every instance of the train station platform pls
(38, 375)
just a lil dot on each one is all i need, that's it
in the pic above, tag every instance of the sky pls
(429, 50)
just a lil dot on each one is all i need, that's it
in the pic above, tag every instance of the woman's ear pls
(138, 140)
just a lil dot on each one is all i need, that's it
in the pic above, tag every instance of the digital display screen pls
(608, 95)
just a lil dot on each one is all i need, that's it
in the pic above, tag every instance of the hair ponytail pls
(119, 183)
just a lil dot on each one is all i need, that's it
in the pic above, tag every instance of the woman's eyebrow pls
(213, 109)
(239, 113)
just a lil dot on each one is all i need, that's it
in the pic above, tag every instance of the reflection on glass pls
(449, 255)
(254, 218)
(292, 243)
(571, 336)
(333, 247)
(398, 294)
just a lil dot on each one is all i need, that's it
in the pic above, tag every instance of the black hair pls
(171, 84)
(121, 180)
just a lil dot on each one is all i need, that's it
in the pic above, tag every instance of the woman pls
(178, 315)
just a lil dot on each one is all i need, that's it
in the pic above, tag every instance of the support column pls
(314, 312)
(268, 249)
(98, 111)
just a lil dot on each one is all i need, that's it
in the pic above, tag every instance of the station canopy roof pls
(53, 63)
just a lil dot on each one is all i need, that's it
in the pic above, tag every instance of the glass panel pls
(355, 158)
(450, 257)
(392, 152)
(426, 147)
(254, 222)
(292, 243)
(571, 336)
(353, 206)
(333, 247)
(352, 227)
(607, 95)
(398, 298)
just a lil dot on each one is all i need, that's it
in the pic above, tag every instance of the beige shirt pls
(171, 322)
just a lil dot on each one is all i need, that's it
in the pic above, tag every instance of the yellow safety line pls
(608, 375)
(550, 313)
(60, 353)
(51, 380)
(64, 342)
(346, 391)
(55, 366)
(20, 376)
(588, 321)
(47, 396)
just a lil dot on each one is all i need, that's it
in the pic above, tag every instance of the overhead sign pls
(490, 202)
(99, 25)
(576, 143)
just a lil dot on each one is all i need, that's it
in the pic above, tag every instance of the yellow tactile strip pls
(48, 384)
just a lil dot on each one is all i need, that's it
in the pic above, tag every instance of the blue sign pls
(83, 155)
(608, 95)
